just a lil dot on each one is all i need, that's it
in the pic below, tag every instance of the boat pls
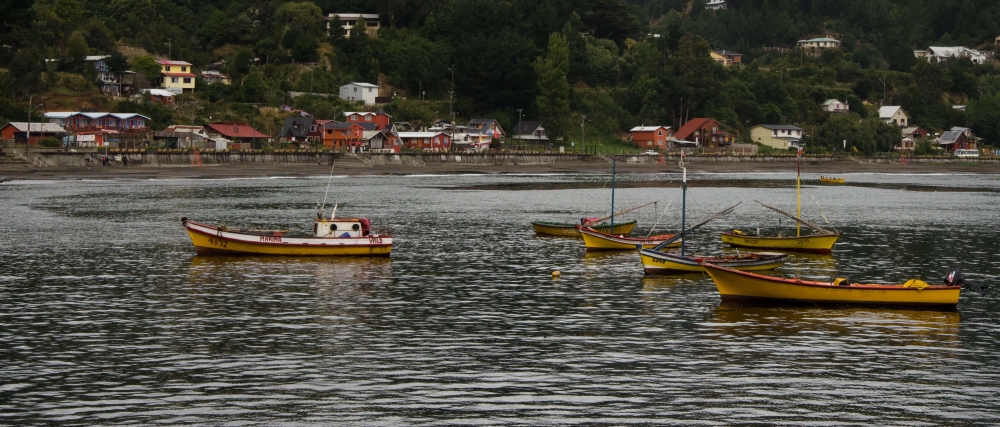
(330, 237)
(563, 229)
(821, 242)
(830, 180)
(595, 241)
(657, 261)
(742, 286)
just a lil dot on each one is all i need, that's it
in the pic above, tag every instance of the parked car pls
(966, 153)
(650, 153)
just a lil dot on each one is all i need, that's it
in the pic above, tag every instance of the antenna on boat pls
(614, 161)
(328, 181)
(798, 190)
(684, 189)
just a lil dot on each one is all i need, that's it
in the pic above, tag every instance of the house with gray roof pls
(781, 137)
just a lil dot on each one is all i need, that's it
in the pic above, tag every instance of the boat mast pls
(684, 189)
(613, 163)
(798, 191)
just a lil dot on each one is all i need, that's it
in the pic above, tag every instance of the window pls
(187, 80)
(167, 68)
(354, 117)
(312, 128)
(355, 89)
(368, 118)
(659, 133)
(173, 80)
(369, 90)
(184, 69)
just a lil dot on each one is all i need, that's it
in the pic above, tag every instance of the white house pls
(894, 114)
(355, 91)
(941, 53)
(820, 43)
(835, 106)
(349, 20)
(715, 4)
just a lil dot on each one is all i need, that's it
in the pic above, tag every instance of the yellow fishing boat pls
(569, 230)
(821, 242)
(816, 243)
(830, 180)
(596, 241)
(330, 237)
(736, 285)
(655, 262)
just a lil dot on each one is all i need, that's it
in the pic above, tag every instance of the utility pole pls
(583, 133)
(518, 130)
(451, 93)
(27, 138)
(883, 90)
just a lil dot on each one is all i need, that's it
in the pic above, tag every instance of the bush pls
(50, 142)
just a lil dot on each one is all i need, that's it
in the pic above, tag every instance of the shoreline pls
(21, 172)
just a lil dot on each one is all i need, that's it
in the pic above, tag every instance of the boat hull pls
(569, 230)
(596, 241)
(210, 240)
(814, 243)
(826, 180)
(739, 286)
(660, 263)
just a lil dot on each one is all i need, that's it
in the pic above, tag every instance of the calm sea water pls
(108, 317)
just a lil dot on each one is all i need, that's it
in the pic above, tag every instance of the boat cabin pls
(342, 227)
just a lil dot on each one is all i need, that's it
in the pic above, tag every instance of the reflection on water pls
(109, 317)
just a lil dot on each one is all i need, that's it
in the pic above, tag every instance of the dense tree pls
(553, 88)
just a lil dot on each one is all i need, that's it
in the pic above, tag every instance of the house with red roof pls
(238, 132)
(175, 76)
(703, 132)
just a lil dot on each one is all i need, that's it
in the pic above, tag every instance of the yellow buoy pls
(556, 273)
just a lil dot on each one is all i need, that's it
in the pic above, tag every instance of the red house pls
(238, 132)
(704, 132)
(426, 141)
(18, 131)
(75, 121)
(380, 118)
(651, 137)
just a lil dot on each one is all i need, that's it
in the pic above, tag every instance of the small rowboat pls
(831, 180)
(330, 237)
(742, 286)
(814, 243)
(596, 241)
(569, 230)
(655, 262)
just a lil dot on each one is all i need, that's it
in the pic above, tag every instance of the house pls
(651, 137)
(381, 141)
(109, 83)
(715, 4)
(469, 139)
(910, 136)
(426, 141)
(76, 121)
(349, 20)
(835, 106)
(781, 137)
(894, 114)
(942, 53)
(727, 58)
(355, 91)
(212, 76)
(18, 132)
(95, 138)
(238, 132)
(530, 131)
(702, 132)
(301, 129)
(489, 128)
(380, 118)
(159, 96)
(819, 43)
(175, 76)
(183, 136)
(958, 138)
(346, 136)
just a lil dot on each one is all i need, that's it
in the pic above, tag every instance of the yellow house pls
(175, 76)
(781, 137)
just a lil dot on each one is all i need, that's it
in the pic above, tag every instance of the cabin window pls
(355, 227)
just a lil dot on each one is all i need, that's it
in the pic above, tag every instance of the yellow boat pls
(569, 230)
(831, 180)
(655, 262)
(330, 237)
(821, 243)
(736, 285)
(596, 241)
(816, 243)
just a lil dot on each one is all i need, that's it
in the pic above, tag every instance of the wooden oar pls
(680, 235)
(587, 224)
(800, 220)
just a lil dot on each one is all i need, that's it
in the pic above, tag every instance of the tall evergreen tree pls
(553, 86)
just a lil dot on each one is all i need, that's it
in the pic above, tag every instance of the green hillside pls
(621, 63)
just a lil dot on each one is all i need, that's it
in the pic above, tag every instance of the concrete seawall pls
(143, 158)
